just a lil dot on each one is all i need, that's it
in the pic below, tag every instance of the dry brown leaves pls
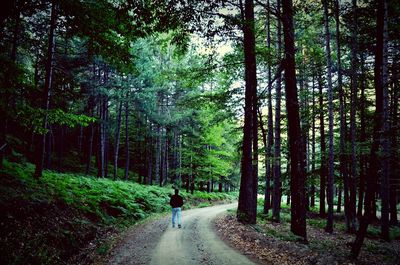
(323, 248)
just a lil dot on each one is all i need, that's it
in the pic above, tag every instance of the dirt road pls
(195, 243)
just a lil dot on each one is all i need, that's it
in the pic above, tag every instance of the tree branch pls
(281, 67)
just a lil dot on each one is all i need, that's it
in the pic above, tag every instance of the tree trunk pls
(277, 147)
(339, 201)
(90, 149)
(351, 213)
(296, 147)
(363, 139)
(247, 207)
(47, 87)
(149, 155)
(394, 165)
(158, 155)
(127, 153)
(267, 190)
(376, 165)
(106, 142)
(61, 142)
(117, 138)
(313, 129)
(385, 133)
(330, 183)
(323, 173)
(49, 148)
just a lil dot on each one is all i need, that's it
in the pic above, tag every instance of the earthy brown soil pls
(322, 248)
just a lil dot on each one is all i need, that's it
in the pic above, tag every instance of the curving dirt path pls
(196, 242)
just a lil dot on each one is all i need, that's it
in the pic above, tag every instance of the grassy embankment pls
(51, 220)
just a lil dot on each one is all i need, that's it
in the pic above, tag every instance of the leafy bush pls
(50, 219)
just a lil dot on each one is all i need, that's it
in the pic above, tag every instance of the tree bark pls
(117, 138)
(47, 87)
(313, 129)
(127, 153)
(267, 190)
(323, 169)
(277, 147)
(330, 181)
(363, 139)
(394, 165)
(351, 212)
(296, 147)
(247, 207)
(376, 165)
(385, 132)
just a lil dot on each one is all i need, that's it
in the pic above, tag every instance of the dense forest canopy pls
(294, 99)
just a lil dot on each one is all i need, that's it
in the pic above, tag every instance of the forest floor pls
(272, 243)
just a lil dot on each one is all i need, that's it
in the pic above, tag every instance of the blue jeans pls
(176, 213)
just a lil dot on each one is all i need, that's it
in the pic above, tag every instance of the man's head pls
(176, 191)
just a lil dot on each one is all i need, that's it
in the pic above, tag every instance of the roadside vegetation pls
(60, 216)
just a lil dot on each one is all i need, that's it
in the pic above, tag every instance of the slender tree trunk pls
(385, 133)
(47, 87)
(106, 142)
(296, 146)
(61, 142)
(90, 149)
(277, 147)
(394, 165)
(269, 141)
(80, 139)
(339, 200)
(330, 183)
(48, 148)
(247, 208)
(313, 129)
(267, 190)
(127, 153)
(376, 165)
(323, 169)
(149, 152)
(353, 165)
(363, 139)
(117, 138)
(158, 155)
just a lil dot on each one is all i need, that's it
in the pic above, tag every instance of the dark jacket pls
(176, 201)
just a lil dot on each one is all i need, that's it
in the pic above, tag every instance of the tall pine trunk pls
(296, 146)
(351, 212)
(47, 88)
(117, 138)
(323, 168)
(363, 139)
(313, 156)
(267, 190)
(375, 166)
(394, 165)
(330, 181)
(127, 153)
(270, 134)
(247, 207)
(276, 207)
(385, 132)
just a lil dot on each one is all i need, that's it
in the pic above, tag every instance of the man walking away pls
(176, 203)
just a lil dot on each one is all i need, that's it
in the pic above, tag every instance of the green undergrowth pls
(47, 221)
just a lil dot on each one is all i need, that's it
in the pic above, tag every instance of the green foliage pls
(105, 198)
(61, 213)
(32, 118)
